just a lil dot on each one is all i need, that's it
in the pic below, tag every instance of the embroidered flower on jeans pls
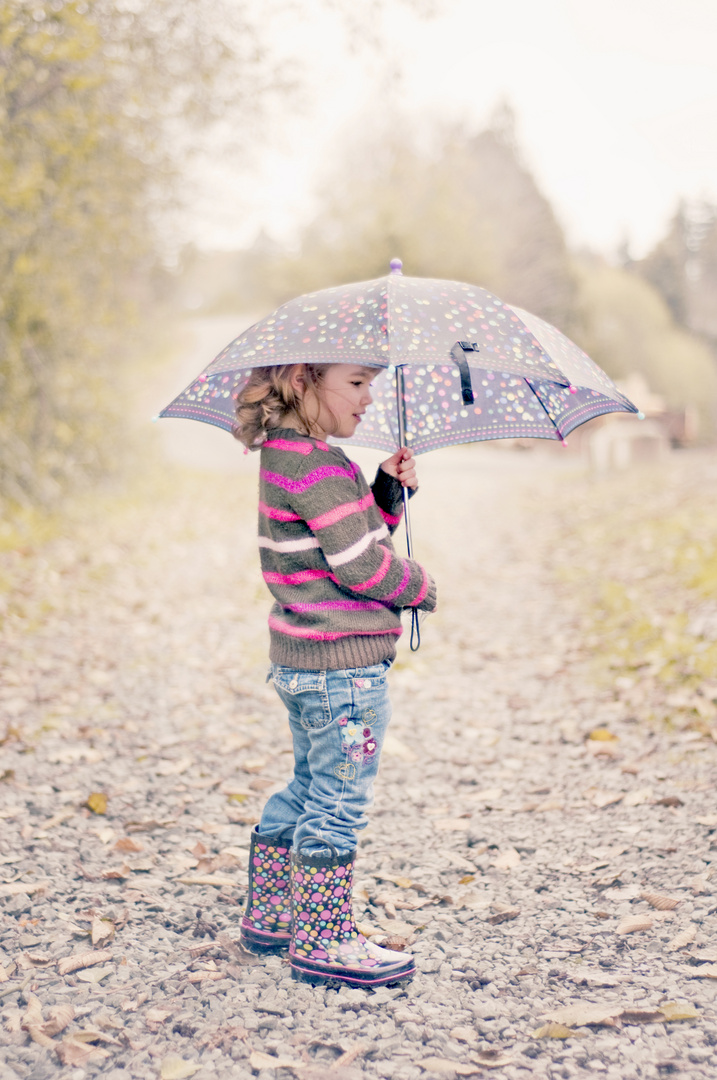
(356, 753)
(370, 747)
(343, 721)
(352, 733)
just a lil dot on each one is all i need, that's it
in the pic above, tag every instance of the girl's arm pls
(393, 475)
(326, 496)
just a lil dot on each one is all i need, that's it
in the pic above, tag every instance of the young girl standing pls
(339, 588)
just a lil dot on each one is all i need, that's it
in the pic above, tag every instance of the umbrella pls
(459, 365)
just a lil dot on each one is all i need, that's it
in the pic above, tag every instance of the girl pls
(339, 588)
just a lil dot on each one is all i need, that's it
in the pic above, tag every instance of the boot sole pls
(365, 980)
(263, 942)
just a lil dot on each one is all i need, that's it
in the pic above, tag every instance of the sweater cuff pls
(430, 600)
(388, 493)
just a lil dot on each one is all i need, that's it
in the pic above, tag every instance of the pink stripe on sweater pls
(331, 517)
(423, 590)
(318, 635)
(295, 447)
(291, 447)
(272, 578)
(337, 605)
(278, 515)
(378, 576)
(404, 582)
(390, 519)
(315, 477)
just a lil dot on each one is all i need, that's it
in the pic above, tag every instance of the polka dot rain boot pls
(326, 948)
(266, 926)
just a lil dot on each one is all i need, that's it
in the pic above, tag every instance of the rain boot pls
(266, 926)
(326, 948)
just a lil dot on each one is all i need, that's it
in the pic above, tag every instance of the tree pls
(454, 206)
(628, 327)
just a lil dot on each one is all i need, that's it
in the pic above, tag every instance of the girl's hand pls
(402, 467)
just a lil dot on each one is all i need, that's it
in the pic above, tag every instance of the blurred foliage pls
(683, 267)
(466, 207)
(645, 574)
(463, 208)
(98, 102)
(626, 326)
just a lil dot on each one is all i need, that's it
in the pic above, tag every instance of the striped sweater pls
(328, 559)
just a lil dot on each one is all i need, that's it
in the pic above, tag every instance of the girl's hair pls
(269, 397)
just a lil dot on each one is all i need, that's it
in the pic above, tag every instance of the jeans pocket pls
(366, 677)
(305, 695)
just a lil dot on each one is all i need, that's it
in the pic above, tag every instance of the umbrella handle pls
(401, 404)
(415, 627)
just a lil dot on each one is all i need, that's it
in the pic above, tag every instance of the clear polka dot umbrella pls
(459, 365)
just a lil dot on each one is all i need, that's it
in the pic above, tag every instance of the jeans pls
(338, 722)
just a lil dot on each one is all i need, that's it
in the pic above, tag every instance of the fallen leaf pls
(493, 1059)
(556, 1031)
(675, 1010)
(463, 1034)
(33, 1023)
(142, 864)
(457, 824)
(174, 768)
(174, 1067)
(19, 887)
(633, 924)
(507, 860)
(97, 802)
(443, 1066)
(116, 873)
(82, 960)
(600, 798)
(503, 916)
(486, 795)
(683, 939)
(669, 800)
(199, 850)
(72, 1051)
(708, 820)
(102, 930)
(602, 734)
(95, 975)
(641, 1016)
(661, 903)
(467, 879)
(707, 971)
(157, 1016)
(397, 928)
(259, 1061)
(127, 844)
(58, 818)
(638, 797)
(460, 862)
(585, 1013)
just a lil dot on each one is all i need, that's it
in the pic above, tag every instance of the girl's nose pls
(367, 399)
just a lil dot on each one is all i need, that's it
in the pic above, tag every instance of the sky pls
(615, 102)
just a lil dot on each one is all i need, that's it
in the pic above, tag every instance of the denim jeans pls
(338, 722)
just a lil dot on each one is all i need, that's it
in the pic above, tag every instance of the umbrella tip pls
(641, 415)
(396, 266)
(155, 419)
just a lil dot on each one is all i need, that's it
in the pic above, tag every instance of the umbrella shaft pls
(401, 404)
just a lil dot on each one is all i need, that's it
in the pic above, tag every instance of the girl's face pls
(345, 395)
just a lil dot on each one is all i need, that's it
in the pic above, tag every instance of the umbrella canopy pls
(527, 380)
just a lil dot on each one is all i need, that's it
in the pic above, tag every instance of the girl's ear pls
(298, 380)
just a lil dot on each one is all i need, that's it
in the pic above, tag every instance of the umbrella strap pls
(458, 354)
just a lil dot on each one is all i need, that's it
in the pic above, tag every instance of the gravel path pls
(510, 845)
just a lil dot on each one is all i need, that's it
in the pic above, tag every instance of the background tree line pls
(465, 206)
(101, 104)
